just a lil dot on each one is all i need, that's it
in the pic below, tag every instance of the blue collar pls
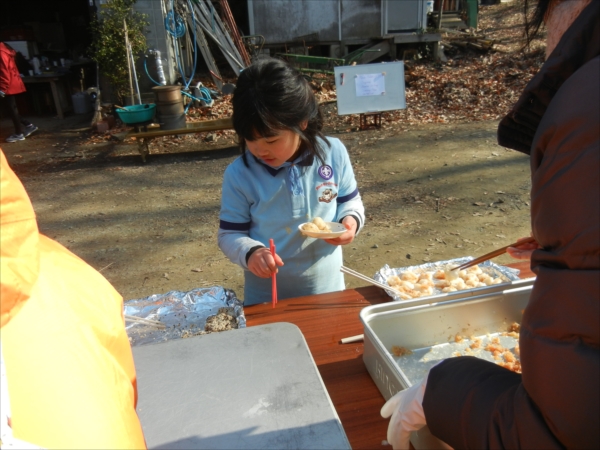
(304, 161)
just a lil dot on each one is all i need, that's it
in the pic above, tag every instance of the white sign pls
(370, 84)
(368, 88)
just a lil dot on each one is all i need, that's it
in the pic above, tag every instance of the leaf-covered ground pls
(472, 85)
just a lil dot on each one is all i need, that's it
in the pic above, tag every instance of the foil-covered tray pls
(501, 274)
(184, 314)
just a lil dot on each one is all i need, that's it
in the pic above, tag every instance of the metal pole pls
(207, 54)
(234, 32)
(137, 86)
(128, 62)
(131, 63)
(203, 18)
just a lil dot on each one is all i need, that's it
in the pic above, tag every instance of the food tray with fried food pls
(319, 229)
(403, 340)
(420, 335)
(437, 278)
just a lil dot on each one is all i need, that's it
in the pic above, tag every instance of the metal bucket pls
(170, 108)
(167, 94)
(171, 121)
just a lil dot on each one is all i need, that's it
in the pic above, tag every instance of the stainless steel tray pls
(427, 327)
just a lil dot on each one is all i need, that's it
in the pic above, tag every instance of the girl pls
(288, 174)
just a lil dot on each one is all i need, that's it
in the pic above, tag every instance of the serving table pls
(324, 320)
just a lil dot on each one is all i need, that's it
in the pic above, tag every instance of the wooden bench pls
(145, 134)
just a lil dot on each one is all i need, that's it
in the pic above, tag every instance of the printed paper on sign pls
(370, 84)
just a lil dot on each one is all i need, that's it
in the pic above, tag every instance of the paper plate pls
(337, 229)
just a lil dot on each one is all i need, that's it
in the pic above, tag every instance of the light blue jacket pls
(259, 203)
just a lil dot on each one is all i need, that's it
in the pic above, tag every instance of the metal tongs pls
(493, 254)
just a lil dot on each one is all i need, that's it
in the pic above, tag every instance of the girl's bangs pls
(259, 127)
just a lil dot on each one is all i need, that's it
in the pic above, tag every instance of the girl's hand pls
(522, 251)
(262, 264)
(350, 223)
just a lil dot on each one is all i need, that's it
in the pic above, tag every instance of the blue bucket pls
(137, 113)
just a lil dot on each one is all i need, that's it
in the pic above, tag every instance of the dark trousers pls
(13, 112)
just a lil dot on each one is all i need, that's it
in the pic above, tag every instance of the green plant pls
(108, 44)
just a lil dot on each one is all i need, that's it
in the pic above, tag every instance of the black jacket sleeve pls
(473, 403)
(470, 403)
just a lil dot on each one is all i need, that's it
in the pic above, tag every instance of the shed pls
(344, 26)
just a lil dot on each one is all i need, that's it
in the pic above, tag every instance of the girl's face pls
(275, 150)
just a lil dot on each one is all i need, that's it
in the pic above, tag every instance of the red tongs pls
(273, 276)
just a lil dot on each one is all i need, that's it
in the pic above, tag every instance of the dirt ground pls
(432, 192)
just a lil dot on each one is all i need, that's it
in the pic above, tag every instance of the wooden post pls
(439, 24)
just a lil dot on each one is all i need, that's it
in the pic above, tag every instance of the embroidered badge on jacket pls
(325, 172)
(327, 196)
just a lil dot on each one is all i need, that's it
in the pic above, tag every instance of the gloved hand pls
(2, 94)
(406, 409)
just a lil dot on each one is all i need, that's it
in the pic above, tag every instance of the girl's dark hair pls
(535, 20)
(271, 96)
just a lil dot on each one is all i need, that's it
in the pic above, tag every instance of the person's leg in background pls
(29, 127)
(23, 128)
(13, 112)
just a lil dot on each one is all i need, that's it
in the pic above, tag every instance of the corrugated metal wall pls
(281, 21)
(331, 21)
(361, 19)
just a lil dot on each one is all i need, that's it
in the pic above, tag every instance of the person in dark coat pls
(11, 84)
(555, 403)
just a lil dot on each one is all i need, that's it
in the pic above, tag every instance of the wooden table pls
(324, 320)
(59, 85)
(144, 138)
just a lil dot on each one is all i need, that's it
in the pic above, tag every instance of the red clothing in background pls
(10, 80)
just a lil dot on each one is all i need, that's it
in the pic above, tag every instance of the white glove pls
(406, 409)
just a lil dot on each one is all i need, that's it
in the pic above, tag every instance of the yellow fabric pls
(19, 243)
(69, 366)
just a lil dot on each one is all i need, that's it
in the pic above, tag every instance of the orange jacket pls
(69, 366)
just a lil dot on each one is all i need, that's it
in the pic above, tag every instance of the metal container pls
(82, 103)
(170, 108)
(171, 122)
(255, 387)
(167, 93)
(427, 327)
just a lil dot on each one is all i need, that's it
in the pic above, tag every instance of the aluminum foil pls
(183, 313)
(507, 274)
